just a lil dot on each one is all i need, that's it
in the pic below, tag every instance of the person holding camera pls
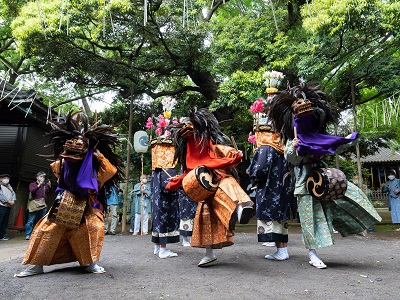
(37, 202)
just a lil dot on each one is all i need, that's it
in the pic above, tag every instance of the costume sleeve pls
(258, 168)
(55, 167)
(291, 155)
(106, 170)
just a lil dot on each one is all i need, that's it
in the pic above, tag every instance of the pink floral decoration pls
(158, 131)
(252, 138)
(149, 124)
(167, 132)
(257, 106)
(175, 121)
(162, 122)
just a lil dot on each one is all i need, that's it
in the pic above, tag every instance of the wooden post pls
(128, 162)
(353, 101)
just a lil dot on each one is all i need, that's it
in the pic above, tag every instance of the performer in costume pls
(85, 164)
(274, 200)
(187, 212)
(200, 143)
(165, 206)
(307, 109)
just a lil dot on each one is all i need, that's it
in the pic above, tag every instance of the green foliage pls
(214, 62)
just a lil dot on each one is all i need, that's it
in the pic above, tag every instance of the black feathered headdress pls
(101, 137)
(286, 104)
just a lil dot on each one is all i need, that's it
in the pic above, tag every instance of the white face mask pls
(144, 180)
(391, 177)
(41, 178)
(5, 181)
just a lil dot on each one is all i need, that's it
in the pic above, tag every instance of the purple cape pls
(79, 177)
(317, 143)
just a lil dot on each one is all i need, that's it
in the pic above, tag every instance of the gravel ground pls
(359, 267)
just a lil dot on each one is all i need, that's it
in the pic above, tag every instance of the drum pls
(200, 183)
(67, 210)
(326, 183)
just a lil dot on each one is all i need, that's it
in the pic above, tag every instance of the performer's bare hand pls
(295, 142)
(96, 153)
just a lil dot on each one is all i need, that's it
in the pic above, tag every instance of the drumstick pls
(166, 172)
(234, 143)
(295, 136)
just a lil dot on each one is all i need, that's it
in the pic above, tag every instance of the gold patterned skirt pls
(214, 221)
(51, 243)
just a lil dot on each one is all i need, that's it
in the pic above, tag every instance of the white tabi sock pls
(209, 252)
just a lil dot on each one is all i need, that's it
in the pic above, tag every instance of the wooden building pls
(23, 125)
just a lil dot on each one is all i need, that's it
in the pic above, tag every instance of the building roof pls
(19, 107)
(384, 155)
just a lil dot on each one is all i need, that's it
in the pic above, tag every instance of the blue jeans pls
(4, 216)
(33, 218)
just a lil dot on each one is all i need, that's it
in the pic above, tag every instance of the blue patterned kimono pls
(164, 209)
(274, 202)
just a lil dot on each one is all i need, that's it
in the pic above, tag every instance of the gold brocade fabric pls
(208, 230)
(269, 138)
(162, 156)
(214, 215)
(51, 243)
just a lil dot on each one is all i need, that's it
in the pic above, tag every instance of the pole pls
(353, 101)
(141, 202)
(128, 162)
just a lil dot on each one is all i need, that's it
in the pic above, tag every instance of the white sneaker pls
(269, 244)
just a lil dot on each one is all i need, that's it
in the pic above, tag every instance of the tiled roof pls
(383, 155)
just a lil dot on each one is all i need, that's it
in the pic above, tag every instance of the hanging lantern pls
(141, 141)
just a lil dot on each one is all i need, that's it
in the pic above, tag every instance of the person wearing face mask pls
(141, 205)
(392, 187)
(7, 199)
(37, 208)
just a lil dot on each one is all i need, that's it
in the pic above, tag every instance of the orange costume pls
(52, 243)
(215, 219)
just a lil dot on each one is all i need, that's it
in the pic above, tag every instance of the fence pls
(379, 199)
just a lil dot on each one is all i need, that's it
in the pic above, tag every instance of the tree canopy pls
(206, 53)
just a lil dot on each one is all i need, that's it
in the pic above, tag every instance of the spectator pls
(392, 187)
(37, 202)
(141, 204)
(7, 199)
(112, 205)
